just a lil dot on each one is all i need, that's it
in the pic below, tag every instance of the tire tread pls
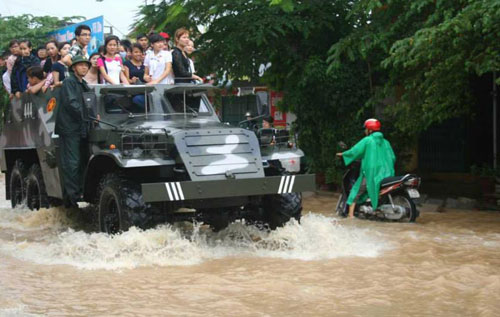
(133, 210)
(18, 170)
(35, 175)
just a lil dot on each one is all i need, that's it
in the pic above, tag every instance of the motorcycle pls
(396, 197)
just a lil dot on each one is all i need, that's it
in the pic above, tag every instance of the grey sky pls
(119, 13)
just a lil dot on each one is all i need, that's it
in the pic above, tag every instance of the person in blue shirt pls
(18, 77)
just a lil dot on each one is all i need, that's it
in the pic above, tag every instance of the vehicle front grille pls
(144, 145)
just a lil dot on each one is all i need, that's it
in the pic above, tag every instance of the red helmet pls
(164, 35)
(372, 125)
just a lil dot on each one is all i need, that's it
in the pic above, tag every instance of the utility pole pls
(494, 120)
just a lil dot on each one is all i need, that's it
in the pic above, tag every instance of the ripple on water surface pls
(316, 238)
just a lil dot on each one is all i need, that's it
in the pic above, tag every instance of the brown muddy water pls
(446, 264)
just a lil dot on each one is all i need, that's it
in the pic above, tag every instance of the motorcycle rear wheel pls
(402, 199)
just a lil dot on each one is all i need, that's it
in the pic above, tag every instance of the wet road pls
(447, 264)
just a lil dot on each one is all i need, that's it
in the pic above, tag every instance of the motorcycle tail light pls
(413, 182)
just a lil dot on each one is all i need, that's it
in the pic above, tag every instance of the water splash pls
(315, 238)
(55, 218)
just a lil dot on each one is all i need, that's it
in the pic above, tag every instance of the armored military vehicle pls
(156, 154)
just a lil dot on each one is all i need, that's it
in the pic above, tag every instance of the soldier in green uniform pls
(377, 162)
(72, 129)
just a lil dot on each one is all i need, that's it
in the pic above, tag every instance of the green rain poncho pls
(71, 128)
(377, 163)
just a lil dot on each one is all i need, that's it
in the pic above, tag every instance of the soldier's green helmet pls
(80, 59)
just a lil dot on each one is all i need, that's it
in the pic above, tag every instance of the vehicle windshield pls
(168, 103)
(124, 102)
(180, 101)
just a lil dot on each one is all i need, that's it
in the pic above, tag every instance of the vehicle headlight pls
(291, 164)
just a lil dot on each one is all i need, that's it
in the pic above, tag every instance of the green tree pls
(422, 54)
(33, 28)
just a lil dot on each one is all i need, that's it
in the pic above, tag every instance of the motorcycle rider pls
(377, 162)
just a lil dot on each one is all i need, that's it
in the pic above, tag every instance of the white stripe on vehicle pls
(285, 187)
(281, 184)
(291, 184)
(181, 193)
(169, 192)
(174, 190)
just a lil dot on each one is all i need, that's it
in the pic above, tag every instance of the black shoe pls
(68, 203)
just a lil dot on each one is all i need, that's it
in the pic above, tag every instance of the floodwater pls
(447, 264)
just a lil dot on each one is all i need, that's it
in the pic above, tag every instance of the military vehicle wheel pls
(279, 209)
(120, 205)
(17, 184)
(36, 195)
(218, 220)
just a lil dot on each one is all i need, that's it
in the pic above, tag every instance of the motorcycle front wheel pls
(411, 213)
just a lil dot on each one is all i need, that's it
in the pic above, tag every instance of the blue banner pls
(97, 33)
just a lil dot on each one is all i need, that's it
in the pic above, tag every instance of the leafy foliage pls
(238, 36)
(329, 110)
(34, 28)
(164, 16)
(424, 54)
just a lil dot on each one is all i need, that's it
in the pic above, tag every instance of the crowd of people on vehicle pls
(68, 65)
(150, 60)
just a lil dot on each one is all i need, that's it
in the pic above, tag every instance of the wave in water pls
(316, 238)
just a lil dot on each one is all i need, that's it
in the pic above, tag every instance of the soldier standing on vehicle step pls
(72, 130)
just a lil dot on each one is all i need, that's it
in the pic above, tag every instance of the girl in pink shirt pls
(110, 64)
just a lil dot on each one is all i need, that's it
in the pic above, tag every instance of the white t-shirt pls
(157, 63)
(191, 65)
(113, 66)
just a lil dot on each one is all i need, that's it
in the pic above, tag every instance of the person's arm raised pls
(67, 60)
(36, 88)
